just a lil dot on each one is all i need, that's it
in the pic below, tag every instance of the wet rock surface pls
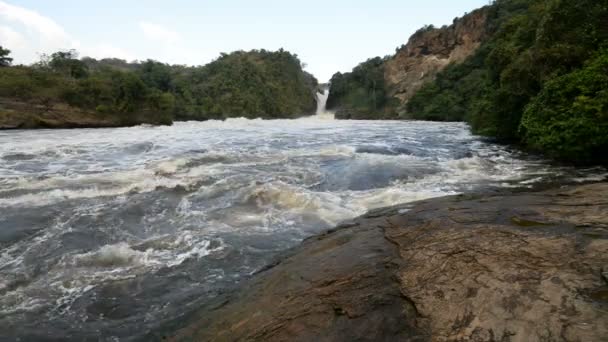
(496, 267)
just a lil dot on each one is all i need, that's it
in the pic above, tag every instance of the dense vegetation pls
(359, 93)
(541, 79)
(251, 84)
(254, 84)
(569, 118)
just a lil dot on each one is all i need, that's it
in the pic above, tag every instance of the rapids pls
(108, 233)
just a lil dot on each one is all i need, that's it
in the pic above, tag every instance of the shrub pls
(569, 118)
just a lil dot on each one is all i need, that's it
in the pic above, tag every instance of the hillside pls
(63, 91)
(381, 87)
(431, 50)
(253, 84)
(540, 80)
(526, 71)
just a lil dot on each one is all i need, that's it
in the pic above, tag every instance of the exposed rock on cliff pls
(22, 115)
(430, 50)
(522, 267)
(379, 88)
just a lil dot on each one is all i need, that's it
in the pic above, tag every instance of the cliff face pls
(429, 51)
(379, 88)
(28, 115)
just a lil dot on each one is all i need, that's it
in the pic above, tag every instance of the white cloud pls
(45, 27)
(27, 34)
(12, 38)
(159, 33)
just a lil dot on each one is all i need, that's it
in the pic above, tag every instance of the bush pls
(363, 91)
(569, 118)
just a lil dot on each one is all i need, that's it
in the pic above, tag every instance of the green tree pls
(569, 118)
(65, 63)
(156, 75)
(362, 92)
(5, 60)
(256, 83)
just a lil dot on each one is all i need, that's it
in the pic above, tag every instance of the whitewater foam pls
(118, 255)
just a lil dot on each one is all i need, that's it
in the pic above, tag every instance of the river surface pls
(105, 234)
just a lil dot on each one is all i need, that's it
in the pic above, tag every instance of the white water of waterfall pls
(322, 112)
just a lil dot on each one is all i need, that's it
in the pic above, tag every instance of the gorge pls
(452, 191)
(526, 72)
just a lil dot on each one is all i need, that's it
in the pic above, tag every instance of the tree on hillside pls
(5, 60)
(156, 74)
(363, 90)
(65, 63)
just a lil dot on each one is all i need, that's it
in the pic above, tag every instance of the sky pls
(329, 36)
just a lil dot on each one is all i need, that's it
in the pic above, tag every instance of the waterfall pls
(322, 112)
(322, 101)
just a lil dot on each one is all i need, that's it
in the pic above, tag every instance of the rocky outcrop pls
(23, 115)
(430, 50)
(496, 267)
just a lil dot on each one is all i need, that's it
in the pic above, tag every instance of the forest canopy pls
(257, 83)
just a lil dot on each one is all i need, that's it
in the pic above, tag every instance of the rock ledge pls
(516, 267)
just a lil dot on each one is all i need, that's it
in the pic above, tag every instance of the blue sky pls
(328, 36)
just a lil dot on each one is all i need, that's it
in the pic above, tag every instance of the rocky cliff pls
(379, 88)
(430, 50)
(494, 267)
(26, 115)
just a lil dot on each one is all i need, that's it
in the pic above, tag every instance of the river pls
(107, 233)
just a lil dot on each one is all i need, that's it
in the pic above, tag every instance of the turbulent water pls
(108, 233)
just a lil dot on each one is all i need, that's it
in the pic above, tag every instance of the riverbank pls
(493, 267)
(24, 115)
(65, 91)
